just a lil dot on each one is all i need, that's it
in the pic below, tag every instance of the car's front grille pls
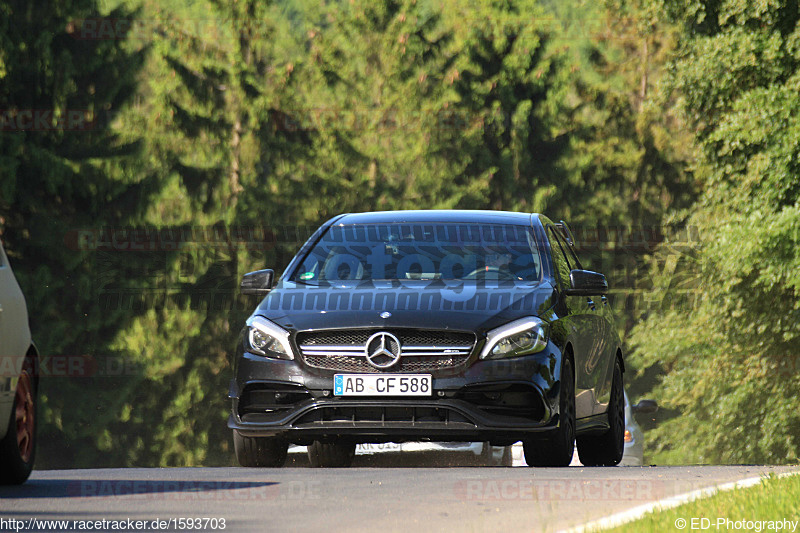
(421, 350)
(359, 364)
(384, 416)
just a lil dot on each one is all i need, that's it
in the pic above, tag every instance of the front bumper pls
(498, 401)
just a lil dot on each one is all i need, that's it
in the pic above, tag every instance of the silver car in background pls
(634, 436)
(18, 381)
(393, 454)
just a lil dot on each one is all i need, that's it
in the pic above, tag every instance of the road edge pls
(624, 517)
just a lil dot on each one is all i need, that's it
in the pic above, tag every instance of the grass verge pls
(768, 506)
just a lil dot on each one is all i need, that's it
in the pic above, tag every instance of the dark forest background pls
(151, 152)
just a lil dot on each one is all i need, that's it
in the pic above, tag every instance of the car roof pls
(439, 215)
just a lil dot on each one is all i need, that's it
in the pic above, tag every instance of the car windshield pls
(422, 252)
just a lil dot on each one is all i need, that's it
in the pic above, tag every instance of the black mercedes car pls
(430, 325)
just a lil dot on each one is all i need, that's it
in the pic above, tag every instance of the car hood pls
(470, 306)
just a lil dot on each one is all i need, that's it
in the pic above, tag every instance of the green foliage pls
(214, 90)
(627, 141)
(509, 82)
(729, 353)
(627, 145)
(57, 179)
(377, 102)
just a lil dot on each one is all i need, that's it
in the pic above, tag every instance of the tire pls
(508, 457)
(486, 458)
(331, 454)
(606, 449)
(18, 447)
(557, 448)
(260, 451)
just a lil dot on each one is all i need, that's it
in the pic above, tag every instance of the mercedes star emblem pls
(382, 350)
(386, 314)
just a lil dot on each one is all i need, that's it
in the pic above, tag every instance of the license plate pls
(382, 385)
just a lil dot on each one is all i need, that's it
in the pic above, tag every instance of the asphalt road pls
(459, 499)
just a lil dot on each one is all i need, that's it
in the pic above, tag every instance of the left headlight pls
(521, 337)
(268, 339)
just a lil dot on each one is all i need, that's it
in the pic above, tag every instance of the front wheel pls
(557, 449)
(18, 447)
(607, 448)
(259, 451)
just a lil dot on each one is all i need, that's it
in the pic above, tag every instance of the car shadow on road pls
(396, 460)
(128, 488)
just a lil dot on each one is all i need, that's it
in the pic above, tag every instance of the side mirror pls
(586, 283)
(645, 407)
(257, 283)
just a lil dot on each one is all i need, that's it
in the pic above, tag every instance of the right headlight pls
(268, 339)
(521, 337)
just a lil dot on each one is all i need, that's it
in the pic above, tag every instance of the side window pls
(560, 263)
